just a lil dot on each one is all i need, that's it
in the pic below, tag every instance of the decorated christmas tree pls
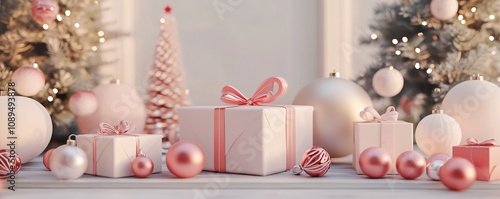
(435, 45)
(166, 89)
(61, 38)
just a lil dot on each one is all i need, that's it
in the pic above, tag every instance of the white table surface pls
(34, 182)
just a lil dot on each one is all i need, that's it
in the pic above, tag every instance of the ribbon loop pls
(369, 114)
(107, 129)
(475, 142)
(264, 93)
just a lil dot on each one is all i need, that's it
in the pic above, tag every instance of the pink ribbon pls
(106, 129)
(264, 94)
(369, 114)
(475, 142)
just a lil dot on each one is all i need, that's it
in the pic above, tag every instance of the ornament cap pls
(335, 74)
(141, 153)
(437, 110)
(70, 141)
(115, 81)
(476, 77)
(297, 169)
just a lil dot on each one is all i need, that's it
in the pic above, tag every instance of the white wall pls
(250, 41)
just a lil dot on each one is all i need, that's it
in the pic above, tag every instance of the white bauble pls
(33, 127)
(444, 9)
(83, 103)
(68, 162)
(437, 133)
(474, 104)
(337, 103)
(29, 80)
(388, 82)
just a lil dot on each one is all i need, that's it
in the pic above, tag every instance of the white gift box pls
(114, 154)
(254, 137)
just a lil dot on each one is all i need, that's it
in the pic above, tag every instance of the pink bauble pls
(116, 102)
(185, 159)
(173, 136)
(410, 165)
(29, 80)
(375, 162)
(444, 9)
(315, 161)
(457, 174)
(46, 159)
(33, 127)
(9, 162)
(438, 156)
(142, 167)
(388, 82)
(83, 103)
(44, 11)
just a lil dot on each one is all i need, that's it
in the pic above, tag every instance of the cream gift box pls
(382, 131)
(114, 153)
(255, 137)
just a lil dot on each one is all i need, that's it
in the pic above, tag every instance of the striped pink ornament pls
(9, 160)
(44, 11)
(315, 162)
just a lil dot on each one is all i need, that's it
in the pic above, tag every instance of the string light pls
(493, 52)
(96, 2)
(67, 13)
(35, 65)
(45, 26)
(460, 17)
(420, 34)
(432, 66)
(404, 39)
(473, 9)
(462, 22)
(491, 38)
(59, 17)
(417, 65)
(102, 40)
(374, 36)
(162, 20)
(492, 17)
(394, 41)
(55, 90)
(77, 25)
(100, 33)
(429, 71)
(50, 98)
(397, 52)
(424, 23)
(94, 48)
(417, 50)
(498, 79)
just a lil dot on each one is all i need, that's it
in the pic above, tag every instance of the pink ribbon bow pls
(120, 129)
(369, 114)
(475, 142)
(264, 94)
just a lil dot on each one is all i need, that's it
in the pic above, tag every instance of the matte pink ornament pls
(375, 162)
(8, 163)
(83, 103)
(410, 165)
(29, 80)
(457, 174)
(438, 156)
(46, 158)
(116, 102)
(142, 166)
(185, 159)
(44, 11)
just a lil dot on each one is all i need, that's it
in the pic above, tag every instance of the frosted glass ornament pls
(388, 82)
(117, 102)
(438, 133)
(33, 127)
(474, 104)
(444, 9)
(337, 103)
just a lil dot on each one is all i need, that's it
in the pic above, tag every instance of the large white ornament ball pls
(444, 9)
(116, 102)
(337, 103)
(29, 80)
(83, 102)
(68, 162)
(31, 126)
(474, 104)
(388, 82)
(438, 133)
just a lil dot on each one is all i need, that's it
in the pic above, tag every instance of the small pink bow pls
(264, 94)
(120, 129)
(475, 142)
(371, 115)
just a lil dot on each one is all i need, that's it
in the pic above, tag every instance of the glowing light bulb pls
(102, 40)
(460, 17)
(397, 52)
(424, 23)
(55, 90)
(77, 25)
(94, 48)
(491, 38)
(417, 50)
(67, 13)
(417, 65)
(35, 65)
(45, 26)
(100, 33)
(404, 39)
(473, 9)
(394, 41)
(429, 71)
(374, 36)
(50, 98)
(492, 17)
(162, 20)
(59, 17)
(420, 34)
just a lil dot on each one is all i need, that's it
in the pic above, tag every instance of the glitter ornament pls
(10, 163)
(315, 162)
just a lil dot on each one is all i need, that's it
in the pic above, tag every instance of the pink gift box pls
(486, 159)
(395, 137)
(114, 153)
(255, 139)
